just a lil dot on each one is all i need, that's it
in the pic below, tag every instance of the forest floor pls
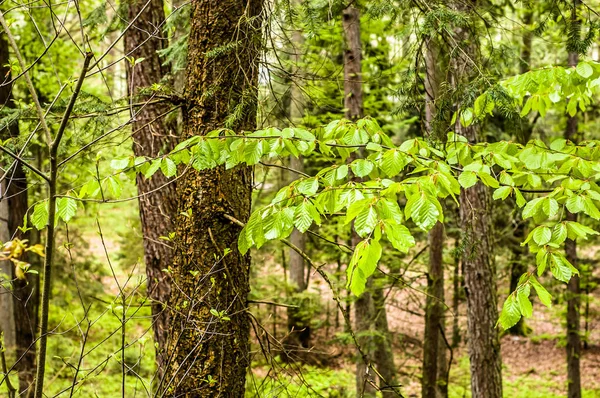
(533, 367)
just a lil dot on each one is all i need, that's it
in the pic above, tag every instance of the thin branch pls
(23, 162)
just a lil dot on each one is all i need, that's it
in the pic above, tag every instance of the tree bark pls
(370, 319)
(573, 294)
(434, 347)
(298, 327)
(152, 136)
(209, 354)
(25, 292)
(518, 262)
(353, 104)
(478, 261)
(383, 355)
(434, 381)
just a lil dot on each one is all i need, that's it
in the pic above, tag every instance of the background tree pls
(153, 135)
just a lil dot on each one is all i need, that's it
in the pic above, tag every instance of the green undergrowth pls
(299, 382)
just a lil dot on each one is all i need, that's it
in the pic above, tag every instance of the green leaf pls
(511, 313)
(543, 295)
(303, 218)
(362, 167)
(393, 162)
(423, 211)
(362, 265)
(532, 207)
(399, 236)
(66, 208)
(365, 221)
(584, 70)
(467, 179)
(559, 233)
(279, 224)
(39, 218)
(119, 164)
(308, 186)
(575, 204)
(519, 198)
(542, 235)
(502, 192)
(168, 167)
(550, 207)
(524, 303)
(389, 210)
(576, 230)
(153, 168)
(341, 172)
(114, 186)
(560, 267)
(355, 208)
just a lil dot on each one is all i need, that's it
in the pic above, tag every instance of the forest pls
(300, 198)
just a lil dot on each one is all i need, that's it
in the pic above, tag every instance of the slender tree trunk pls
(208, 354)
(24, 295)
(370, 319)
(518, 262)
(298, 327)
(363, 306)
(573, 294)
(456, 292)
(152, 137)
(478, 261)
(383, 355)
(434, 348)
(6, 267)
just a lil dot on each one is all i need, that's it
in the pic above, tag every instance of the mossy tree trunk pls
(152, 136)
(208, 348)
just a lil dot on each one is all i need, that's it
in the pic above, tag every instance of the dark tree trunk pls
(434, 380)
(25, 292)
(208, 354)
(152, 136)
(478, 260)
(363, 306)
(573, 295)
(518, 262)
(434, 347)
(298, 327)
(370, 318)
(383, 355)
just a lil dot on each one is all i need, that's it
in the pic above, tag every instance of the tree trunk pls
(152, 137)
(13, 199)
(208, 353)
(434, 380)
(384, 355)
(434, 347)
(478, 261)
(298, 327)
(370, 319)
(573, 294)
(363, 306)
(518, 262)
